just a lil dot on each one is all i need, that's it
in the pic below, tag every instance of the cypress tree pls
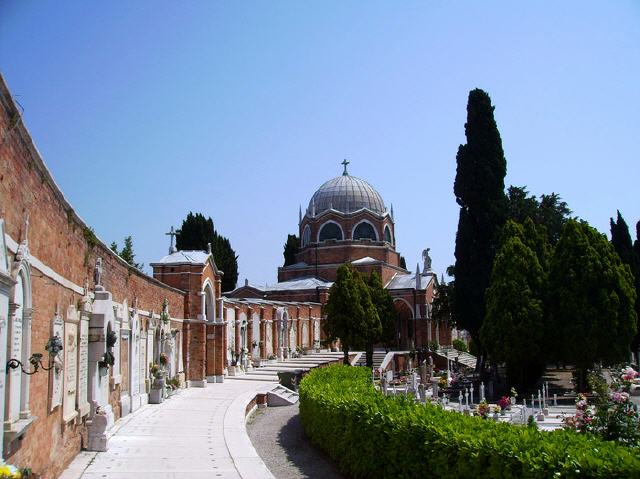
(591, 300)
(351, 316)
(383, 303)
(513, 332)
(479, 190)
(196, 233)
(621, 241)
(291, 247)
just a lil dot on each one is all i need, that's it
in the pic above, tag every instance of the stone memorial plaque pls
(83, 367)
(70, 366)
(269, 338)
(293, 336)
(57, 373)
(305, 334)
(143, 362)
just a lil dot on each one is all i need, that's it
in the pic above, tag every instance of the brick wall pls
(63, 242)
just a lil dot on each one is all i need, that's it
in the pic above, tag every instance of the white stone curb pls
(247, 461)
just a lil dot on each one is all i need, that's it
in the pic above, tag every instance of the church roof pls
(408, 281)
(185, 257)
(346, 194)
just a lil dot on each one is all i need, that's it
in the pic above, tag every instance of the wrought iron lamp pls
(53, 347)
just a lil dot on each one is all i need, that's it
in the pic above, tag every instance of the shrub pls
(459, 345)
(370, 435)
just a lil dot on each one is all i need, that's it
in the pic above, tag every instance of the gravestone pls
(143, 368)
(102, 321)
(83, 358)
(421, 393)
(56, 374)
(305, 333)
(70, 351)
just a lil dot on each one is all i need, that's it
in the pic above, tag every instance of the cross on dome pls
(345, 163)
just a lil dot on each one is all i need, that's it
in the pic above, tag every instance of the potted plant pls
(496, 412)
(514, 396)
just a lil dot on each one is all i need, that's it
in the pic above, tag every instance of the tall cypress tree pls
(196, 232)
(291, 247)
(621, 241)
(514, 330)
(479, 190)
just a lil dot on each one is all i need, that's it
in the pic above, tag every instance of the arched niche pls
(17, 412)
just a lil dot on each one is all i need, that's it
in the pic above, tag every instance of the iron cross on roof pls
(345, 163)
(172, 233)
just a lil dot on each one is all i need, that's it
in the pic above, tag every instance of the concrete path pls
(198, 433)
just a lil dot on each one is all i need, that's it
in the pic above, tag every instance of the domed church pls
(347, 221)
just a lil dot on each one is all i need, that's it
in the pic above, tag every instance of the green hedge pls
(370, 435)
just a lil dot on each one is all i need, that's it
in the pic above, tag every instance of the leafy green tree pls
(479, 190)
(351, 316)
(291, 247)
(196, 233)
(442, 308)
(591, 300)
(126, 253)
(549, 211)
(621, 241)
(383, 303)
(513, 331)
(553, 214)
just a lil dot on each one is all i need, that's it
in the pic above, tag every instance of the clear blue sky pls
(144, 111)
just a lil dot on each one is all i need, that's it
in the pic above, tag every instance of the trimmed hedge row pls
(370, 435)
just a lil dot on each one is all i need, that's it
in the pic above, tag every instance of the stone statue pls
(97, 272)
(427, 260)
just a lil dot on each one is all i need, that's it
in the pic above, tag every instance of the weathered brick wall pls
(61, 240)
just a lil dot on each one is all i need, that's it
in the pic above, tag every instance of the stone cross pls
(345, 163)
(172, 233)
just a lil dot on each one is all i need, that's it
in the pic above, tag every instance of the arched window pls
(330, 230)
(365, 230)
(306, 236)
(387, 234)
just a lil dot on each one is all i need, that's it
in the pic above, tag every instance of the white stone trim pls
(12, 245)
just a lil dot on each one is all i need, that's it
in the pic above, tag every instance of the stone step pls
(281, 396)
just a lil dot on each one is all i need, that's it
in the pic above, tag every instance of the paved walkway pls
(198, 433)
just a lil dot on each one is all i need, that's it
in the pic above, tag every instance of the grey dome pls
(346, 194)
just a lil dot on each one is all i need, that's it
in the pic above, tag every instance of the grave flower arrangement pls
(483, 409)
(7, 471)
(504, 402)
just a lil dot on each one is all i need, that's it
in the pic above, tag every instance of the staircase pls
(378, 357)
(465, 359)
(281, 396)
